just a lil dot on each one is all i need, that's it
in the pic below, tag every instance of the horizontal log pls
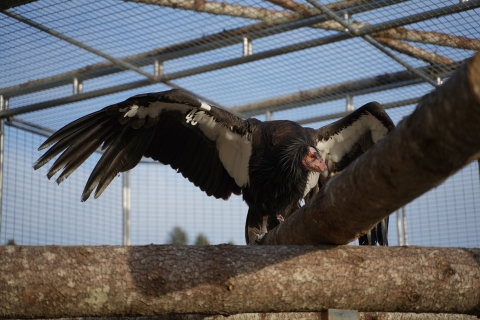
(294, 316)
(439, 138)
(55, 282)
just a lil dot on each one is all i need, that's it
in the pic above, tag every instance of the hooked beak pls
(313, 162)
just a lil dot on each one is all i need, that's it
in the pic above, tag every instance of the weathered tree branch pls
(277, 17)
(413, 51)
(51, 282)
(397, 45)
(437, 140)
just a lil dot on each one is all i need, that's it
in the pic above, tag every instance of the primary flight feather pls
(274, 164)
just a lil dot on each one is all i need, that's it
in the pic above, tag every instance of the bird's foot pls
(259, 237)
(280, 218)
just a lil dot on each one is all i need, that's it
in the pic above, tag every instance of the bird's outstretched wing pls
(209, 146)
(342, 141)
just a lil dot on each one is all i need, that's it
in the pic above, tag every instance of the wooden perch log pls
(440, 137)
(53, 282)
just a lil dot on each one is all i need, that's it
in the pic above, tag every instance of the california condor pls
(274, 164)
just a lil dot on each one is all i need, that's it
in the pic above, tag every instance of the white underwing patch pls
(233, 149)
(205, 107)
(311, 182)
(339, 144)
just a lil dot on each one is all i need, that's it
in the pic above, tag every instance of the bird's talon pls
(259, 237)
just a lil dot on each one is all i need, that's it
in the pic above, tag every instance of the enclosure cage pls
(307, 61)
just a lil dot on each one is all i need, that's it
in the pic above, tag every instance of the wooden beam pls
(58, 281)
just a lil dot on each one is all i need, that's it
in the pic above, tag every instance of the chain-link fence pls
(281, 59)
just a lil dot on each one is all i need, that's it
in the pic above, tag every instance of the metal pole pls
(126, 207)
(269, 115)
(157, 68)
(405, 234)
(247, 47)
(77, 86)
(399, 228)
(350, 106)
(3, 106)
(354, 32)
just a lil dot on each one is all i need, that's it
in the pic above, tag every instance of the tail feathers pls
(378, 235)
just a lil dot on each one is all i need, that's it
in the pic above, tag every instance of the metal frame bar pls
(352, 30)
(333, 116)
(295, 100)
(211, 42)
(253, 57)
(233, 37)
(338, 91)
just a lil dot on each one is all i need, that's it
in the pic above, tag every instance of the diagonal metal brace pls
(352, 30)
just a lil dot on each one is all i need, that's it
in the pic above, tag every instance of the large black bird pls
(274, 164)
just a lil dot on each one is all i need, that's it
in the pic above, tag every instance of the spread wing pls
(209, 146)
(342, 141)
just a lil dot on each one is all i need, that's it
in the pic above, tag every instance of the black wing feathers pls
(126, 138)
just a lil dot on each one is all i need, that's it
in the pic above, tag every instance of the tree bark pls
(293, 316)
(438, 139)
(53, 282)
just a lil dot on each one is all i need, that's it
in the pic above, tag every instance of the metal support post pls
(269, 115)
(3, 106)
(126, 207)
(348, 18)
(77, 86)
(439, 81)
(399, 227)
(402, 227)
(247, 47)
(350, 106)
(405, 234)
(157, 68)
(354, 32)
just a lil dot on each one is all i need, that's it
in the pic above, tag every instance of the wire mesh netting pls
(60, 62)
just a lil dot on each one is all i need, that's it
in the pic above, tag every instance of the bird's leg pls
(264, 229)
(280, 218)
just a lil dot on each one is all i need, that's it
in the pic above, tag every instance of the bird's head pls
(313, 161)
